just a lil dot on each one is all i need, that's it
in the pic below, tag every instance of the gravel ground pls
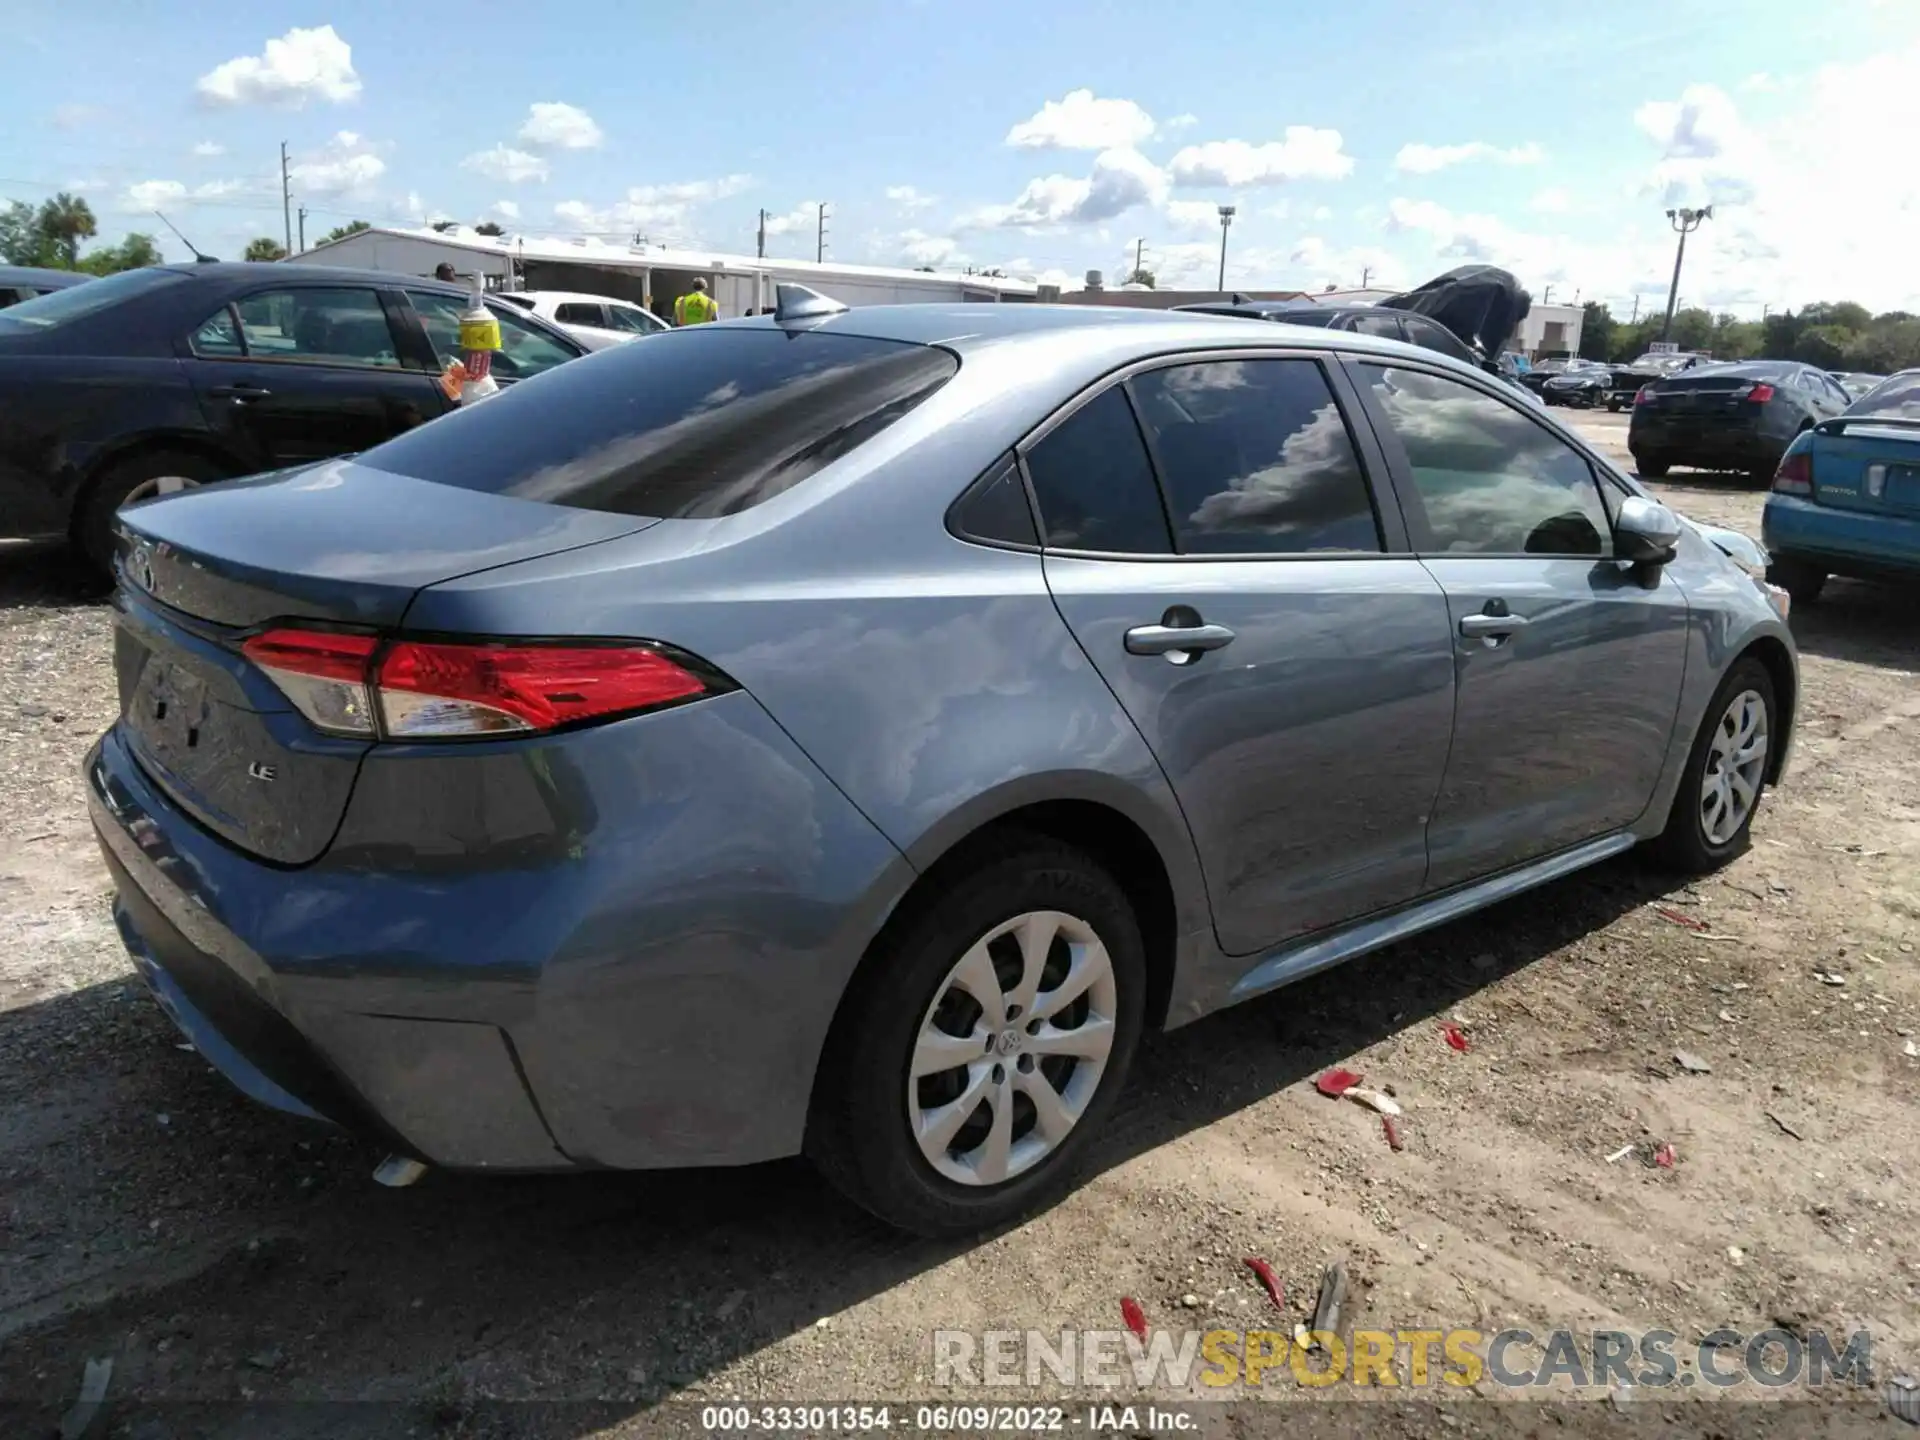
(246, 1277)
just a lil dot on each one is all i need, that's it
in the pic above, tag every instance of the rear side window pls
(1897, 397)
(524, 349)
(1094, 483)
(329, 326)
(705, 422)
(57, 307)
(577, 314)
(1387, 327)
(1490, 480)
(1255, 458)
(1429, 335)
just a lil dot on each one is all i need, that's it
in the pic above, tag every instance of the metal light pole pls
(1686, 222)
(1226, 219)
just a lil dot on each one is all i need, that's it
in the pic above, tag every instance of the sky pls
(1384, 140)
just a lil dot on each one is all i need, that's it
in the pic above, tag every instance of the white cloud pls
(1323, 212)
(1082, 121)
(206, 149)
(1306, 153)
(1702, 123)
(908, 198)
(802, 218)
(555, 125)
(1193, 214)
(1182, 122)
(154, 195)
(1762, 83)
(346, 167)
(1554, 200)
(514, 167)
(1417, 159)
(1118, 181)
(219, 189)
(663, 213)
(506, 210)
(917, 247)
(72, 117)
(301, 65)
(174, 194)
(688, 191)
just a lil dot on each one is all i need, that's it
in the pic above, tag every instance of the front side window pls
(1431, 335)
(1490, 480)
(1255, 458)
(1094, 483)
(626, 317)
(524, 350)
(576, 313)
(705, 422)
(327, 326)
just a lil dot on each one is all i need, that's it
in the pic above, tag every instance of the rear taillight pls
(1761, 392)
(1795, 475)
(439, 690)
(1643, 396)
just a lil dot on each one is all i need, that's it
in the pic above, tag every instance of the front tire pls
(138, 477)
(1801, 581)
(983, 1045)
(1721, 787)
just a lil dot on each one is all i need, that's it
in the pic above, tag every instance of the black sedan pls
(176, 375)
(1739, 415)
(1582, 382)
(23, 282)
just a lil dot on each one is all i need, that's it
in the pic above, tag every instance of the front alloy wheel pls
(1736, 768)
(1011, 1051)
(1726, 773)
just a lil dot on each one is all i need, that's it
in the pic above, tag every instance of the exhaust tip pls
(396, 1172)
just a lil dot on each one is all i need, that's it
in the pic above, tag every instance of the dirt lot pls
(230, 1260)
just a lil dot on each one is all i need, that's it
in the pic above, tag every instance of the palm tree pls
(340, 232)
(66, 220)
(265, 248)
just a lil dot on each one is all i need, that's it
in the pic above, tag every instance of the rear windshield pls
(703, 422)
(1897, 397)
(57, 307)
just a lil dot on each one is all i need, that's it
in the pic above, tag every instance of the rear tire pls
(1802, 581)
(134, 478)
(1701, 834)
(1613, 407)
(1650, 467)
(869, 1114)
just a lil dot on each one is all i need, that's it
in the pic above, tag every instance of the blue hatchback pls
(1846, 499)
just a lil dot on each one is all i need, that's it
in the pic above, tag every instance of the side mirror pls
(1646, 532)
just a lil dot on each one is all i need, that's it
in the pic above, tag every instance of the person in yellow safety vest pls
(696, 307)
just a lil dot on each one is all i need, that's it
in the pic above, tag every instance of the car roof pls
(574, 297)
(278, 271)
(35, 275)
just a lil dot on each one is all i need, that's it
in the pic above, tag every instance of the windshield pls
(1896, 398)
(57, 307)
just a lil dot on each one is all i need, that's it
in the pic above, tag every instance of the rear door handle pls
(1480, 627)
(1176, 639)
(240, 392)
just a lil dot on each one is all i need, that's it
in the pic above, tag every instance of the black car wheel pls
(1802, 581)
(1614, 406)
(1726, 774)
(138, 477)
(1650, 466)
(968, 1070)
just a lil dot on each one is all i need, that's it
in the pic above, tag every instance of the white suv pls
(596, 321)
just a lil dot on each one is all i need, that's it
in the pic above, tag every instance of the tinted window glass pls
(626, 317)
(1490, 479)
(576, 313)
(1898, 396)
(218, 338)
(1094, 483)
(1303, 317)
(703, 422)
(995, 507)
(56, 307)
(524, 350)
(334, 326)
(1432, 335)
(1255, 458)
(1387, 327)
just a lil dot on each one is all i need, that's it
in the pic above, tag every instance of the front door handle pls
(1176, 640)
(1487, 627)
(240, 393)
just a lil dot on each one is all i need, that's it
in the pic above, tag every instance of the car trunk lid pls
(1869, 464)
(336, 544)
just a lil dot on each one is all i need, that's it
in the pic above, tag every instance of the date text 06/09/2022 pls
(944, 1419)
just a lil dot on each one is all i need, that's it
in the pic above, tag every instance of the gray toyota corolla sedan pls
(846, 732)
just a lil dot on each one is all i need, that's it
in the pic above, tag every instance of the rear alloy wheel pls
(983, 1046)
(1725, 776)
(1803, 582)
(139, 477)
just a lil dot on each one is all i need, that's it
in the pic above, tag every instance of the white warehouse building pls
(648, 276)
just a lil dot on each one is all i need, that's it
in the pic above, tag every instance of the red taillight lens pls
(429, 690)
(1795, 475)
(1643, 396)
(1761, 392)
(323, 673)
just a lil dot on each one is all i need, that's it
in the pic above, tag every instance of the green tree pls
(1141, 276)
(136, 252)
(1596, 332)
(340, 232)
(1844, 314)
(22, 241)
(265, 248)
(66, 220)
(443, 226)
(488, 227)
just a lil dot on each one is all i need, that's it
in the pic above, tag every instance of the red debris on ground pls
(1135, 1317)
(1276, 1292)
(1456, 1037)
(1336, 1083)
(1393, 1133)
(1677, 918)
(1663, 1156)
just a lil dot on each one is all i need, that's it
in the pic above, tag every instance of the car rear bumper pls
(649, 984)
(1846, 542)
(1705, 445)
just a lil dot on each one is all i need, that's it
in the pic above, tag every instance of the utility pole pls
(820, 237)
(303, 230)
(762, 250)
(1685, 222)
(1366, 274)
(1636, 311)
(1226, 219)
(1546, 297)
(286, 196)
(1139, 257)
